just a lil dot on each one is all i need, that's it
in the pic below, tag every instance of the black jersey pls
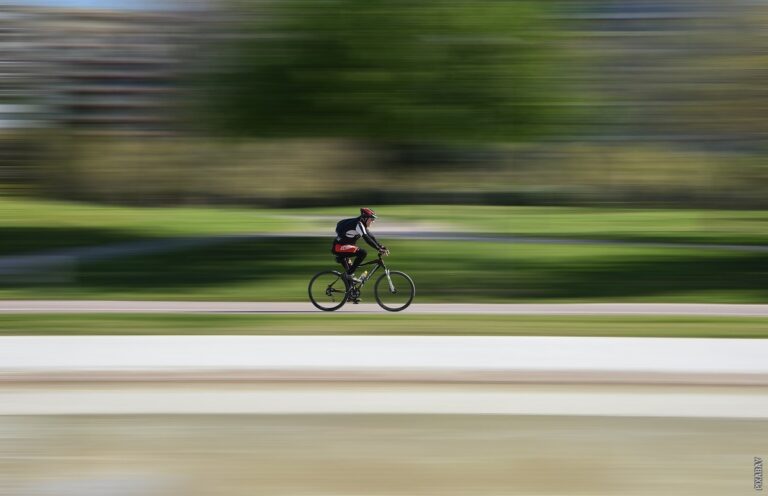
(348, 231)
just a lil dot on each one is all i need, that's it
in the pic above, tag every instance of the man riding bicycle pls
(348, 231)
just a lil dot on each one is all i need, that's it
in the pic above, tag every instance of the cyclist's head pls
(367, 213)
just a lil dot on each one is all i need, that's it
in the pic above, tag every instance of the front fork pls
(389, 280)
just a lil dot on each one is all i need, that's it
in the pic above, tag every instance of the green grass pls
(647, 225)
(278, 270)
(385, 324)
(32, 225)
(166, 221)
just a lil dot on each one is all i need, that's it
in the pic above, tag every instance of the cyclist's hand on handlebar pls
(383, 251)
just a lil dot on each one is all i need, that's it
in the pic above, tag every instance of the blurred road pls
(373, 398)
(377, 455)
(115, 430)
(384, 358)
(95, 306)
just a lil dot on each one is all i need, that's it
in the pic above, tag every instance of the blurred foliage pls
(187, 170)
(434, 70)
(322, 172)
(336, 102)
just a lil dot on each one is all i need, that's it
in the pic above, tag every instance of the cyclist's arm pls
(368, 237)
(374, 242)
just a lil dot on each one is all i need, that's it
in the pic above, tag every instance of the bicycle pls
(329, 290)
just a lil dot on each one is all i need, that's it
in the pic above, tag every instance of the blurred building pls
(655, 69)
(19, 72)
(687, 71)
(92, 71)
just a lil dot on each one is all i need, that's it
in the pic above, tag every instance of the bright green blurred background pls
(620, 139)
(455, 253)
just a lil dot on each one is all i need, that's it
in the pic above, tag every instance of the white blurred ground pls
(406, 398)
(418, 354)
(384, 374)
(157, 416)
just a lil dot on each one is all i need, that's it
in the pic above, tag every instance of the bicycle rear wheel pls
(396, 296)
(328, 290)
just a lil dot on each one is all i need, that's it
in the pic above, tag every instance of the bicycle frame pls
(352, 291)
(378, 263)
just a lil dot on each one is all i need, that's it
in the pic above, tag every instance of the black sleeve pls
(368, 237)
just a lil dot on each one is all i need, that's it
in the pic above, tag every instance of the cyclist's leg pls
(360, 255)
(344, 252)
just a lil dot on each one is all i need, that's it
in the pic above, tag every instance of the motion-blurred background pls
(288, 103)
(515, 150)
(586, 121)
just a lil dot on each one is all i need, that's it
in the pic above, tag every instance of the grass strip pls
(444, 271)
(31, 224)
(385, 324)
(38, 225)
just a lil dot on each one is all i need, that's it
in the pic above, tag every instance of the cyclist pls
(348, 231)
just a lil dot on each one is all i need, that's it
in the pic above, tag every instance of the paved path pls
(384, 374)
(481, 358)
(92, 306)
(511, 238)
(423, 353)
(420, 399)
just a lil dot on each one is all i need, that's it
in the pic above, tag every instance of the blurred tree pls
(389, 70)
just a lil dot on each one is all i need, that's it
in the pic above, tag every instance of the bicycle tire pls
(335, 277)
(409, 285)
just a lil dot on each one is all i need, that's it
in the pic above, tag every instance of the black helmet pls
(367, 213)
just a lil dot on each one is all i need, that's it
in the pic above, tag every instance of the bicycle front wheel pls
(394, 291)
(328, 290)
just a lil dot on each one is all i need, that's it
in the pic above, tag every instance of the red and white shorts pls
(345, 249)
